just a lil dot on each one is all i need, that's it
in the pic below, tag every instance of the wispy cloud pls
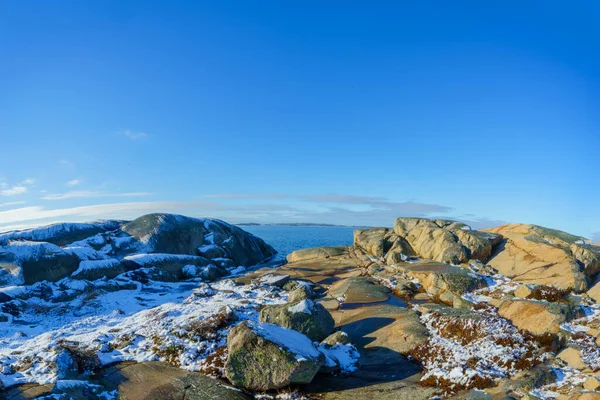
(73, 182)
(11, 203)
(134, 135)
(92, 194)
(374, 202)
(13, 191)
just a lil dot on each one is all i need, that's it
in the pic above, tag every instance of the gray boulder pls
(265, 356)
(305, 316)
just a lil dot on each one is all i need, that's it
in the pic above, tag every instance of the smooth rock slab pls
(160, 381)
(359, 290)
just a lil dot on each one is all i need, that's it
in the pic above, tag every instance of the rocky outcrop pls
(173, 243)
(445, 241)
(266, 356)
(304, 316)
(534, 254)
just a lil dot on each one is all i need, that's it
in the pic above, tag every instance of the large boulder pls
(29, 262)
(305, 316)
(534, 254)
(177, 234)
(445, 241)
(537, 317)
(266, 356)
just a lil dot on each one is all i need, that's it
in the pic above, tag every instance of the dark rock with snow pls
(177, 234)
(266, 356)
(30, 262)
(61, 234)
(305, 316)
(181, 246)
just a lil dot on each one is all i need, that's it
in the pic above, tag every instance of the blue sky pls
(269, 111)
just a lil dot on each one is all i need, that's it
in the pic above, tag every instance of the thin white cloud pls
(91, 194)
(73, 182)
(13, 191)
(11, 203)
(134, 135)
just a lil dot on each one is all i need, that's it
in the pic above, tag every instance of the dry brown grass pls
(548, 293)
(209, 327)
(214, 365)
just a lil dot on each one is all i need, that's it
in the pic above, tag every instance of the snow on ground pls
(463, 353)
(141, 322)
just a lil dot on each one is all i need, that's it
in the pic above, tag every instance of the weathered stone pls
(445, 241)
(382, 242)
(316, 253)
(536, 317)
(594, 292)
(445, 282)
(572, 356)
(265, 356)
(523, 291)
(591, 383)
(305, 316)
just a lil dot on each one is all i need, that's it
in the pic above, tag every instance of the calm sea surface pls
(286, 239)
